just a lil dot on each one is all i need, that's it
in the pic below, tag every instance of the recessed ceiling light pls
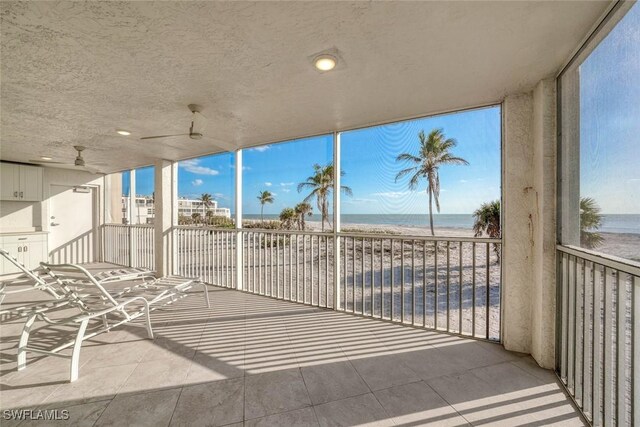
(325, 62)
(46, 158)
(123, 132)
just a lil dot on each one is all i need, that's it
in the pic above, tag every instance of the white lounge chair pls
(97, 310)
(36, 280)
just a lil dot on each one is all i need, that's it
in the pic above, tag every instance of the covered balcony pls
(401, 213)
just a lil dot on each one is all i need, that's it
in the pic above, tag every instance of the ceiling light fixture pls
(123, 132)
(325, 62)
(46, 158)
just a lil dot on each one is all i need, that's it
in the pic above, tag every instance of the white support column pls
(336, 220)
(164, 185)
(543, 300)
(239, 234)
(174, 217)
(132, 197)
(529, 223)
(132, 217)
(519, 200)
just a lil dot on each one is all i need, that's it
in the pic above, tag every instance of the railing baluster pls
(373, 269)
(460, 286)
(392, 287)
(473, 289)
(608, 347)
(487, 295)
(413, 282)
(596, 347)
(448, 286)
(362, 275)
(402, 280)
(435, 282)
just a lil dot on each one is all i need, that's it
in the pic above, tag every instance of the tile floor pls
(256, 361)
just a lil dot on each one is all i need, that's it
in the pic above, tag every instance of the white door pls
(72, 225)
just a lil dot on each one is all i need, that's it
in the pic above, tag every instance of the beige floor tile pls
(205, 368)
(300, 418)
(92, 385)
(359, 410)
(384, 371)
(141, 409)
(430, 363)
(210, 404)
(78, 415)
(418, 404)
(274, 392)
(332, 381)
(157, 374)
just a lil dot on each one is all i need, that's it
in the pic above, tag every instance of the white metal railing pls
(294, 266)
(597, 348)
(206, 253)
(452, 285)
(447, 284)
(130, 245)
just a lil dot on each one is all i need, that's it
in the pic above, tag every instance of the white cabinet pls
(29, 249)
(20, 182)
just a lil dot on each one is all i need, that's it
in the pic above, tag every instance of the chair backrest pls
(76, 280)
(39, 282)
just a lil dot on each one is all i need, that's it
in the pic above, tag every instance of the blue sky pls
(368, 160)
(610, 119)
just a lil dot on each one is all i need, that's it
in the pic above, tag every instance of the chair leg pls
(75, 355)
(206, 294)
(24, 340)
(148, 320)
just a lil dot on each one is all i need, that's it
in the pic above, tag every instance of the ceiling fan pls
(78, 163)
(195, 130)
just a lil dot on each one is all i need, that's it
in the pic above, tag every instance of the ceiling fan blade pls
(226, 146)
(50, 162)
(164, 136)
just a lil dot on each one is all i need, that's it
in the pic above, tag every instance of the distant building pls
(145, 209)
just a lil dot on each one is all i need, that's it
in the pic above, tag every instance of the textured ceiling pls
(73, 72)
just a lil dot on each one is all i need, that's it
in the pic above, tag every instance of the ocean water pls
(619, 223)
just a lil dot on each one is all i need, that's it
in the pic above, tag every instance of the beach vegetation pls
(288, 218)
(302, 209)
(590, 222)
(264, 197)
(486, 221)
(434, 151)
(321, 184)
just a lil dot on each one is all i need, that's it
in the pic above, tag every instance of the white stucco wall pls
(544, 251)
(529, 222)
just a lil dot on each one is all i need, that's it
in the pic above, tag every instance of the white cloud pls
(359, 201)
(193, 166)
(391, 194)
(286, 190)
(197, 182)
(463, 181)
(268, 184)
(261, 148)
(286, 184)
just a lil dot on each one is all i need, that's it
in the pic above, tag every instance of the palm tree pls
(264, 197)
(287, 218)
(433, 153)
(206, 200)
(487, 221)
(301, 210)
(590, 219)
(321, 184)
